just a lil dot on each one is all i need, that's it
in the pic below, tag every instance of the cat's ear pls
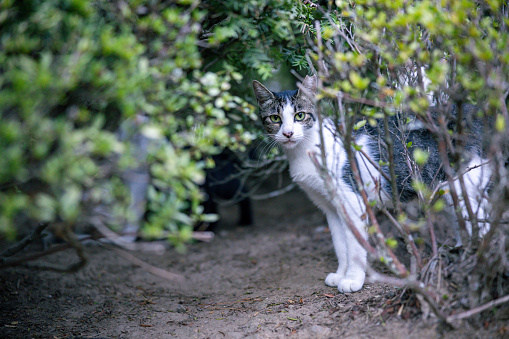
(262, 93)
(308, 86)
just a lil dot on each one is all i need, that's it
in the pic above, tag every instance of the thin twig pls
(432, 236)
(146, 266)
(379, 237)
(275, 193)
(364, 101)
(479, 309)
(450, 179)
(435, 195)
(405, 233)
(400, 268)
(392, 168)
(340, 31)
(377, 166)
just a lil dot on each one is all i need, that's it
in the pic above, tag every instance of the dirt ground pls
(265, 281)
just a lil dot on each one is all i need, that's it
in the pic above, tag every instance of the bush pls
(384, 60)
(74, 72)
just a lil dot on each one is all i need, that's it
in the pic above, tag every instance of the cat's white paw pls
(333, 279)
(348, 284)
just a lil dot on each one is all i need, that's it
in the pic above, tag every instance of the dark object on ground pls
(225, 183)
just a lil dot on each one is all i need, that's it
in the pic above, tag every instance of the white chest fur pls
(306, 174)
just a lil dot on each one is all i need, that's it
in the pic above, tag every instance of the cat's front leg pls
(340, 247)
(351, 254)
(357, 261)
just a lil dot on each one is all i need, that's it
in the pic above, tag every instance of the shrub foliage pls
(378, 60)
(73, 72)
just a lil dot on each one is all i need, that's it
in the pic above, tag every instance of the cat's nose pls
(288, 134)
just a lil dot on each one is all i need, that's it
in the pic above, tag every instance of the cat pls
(290, 118)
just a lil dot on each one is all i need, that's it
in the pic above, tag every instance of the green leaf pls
(357, 81)
(357, 147)
(359, 125)
(420, 156)
(500, 123)
(392, 243)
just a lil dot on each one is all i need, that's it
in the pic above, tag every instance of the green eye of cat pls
(300, 116)
(275, 119)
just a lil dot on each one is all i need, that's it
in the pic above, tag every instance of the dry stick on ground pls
(38, 255)
(72, 242)
(146, 266)
(36, 234)
(117, 239)
(114, 239)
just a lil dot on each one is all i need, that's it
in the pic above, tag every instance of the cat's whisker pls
(262, 143)
(266, 149)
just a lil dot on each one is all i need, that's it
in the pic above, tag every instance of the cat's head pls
(288, 116)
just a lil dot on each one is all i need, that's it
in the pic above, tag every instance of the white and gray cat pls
(289, 117)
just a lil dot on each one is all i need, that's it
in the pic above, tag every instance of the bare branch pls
(36, 234)
(275, 193)
(479, 309)
(405, 233)
(34, 256)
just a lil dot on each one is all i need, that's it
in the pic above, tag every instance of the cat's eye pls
(275, 119)
(300, 116)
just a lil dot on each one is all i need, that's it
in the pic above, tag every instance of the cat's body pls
(290, 118)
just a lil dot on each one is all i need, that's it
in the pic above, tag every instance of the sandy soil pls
(265, 281)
